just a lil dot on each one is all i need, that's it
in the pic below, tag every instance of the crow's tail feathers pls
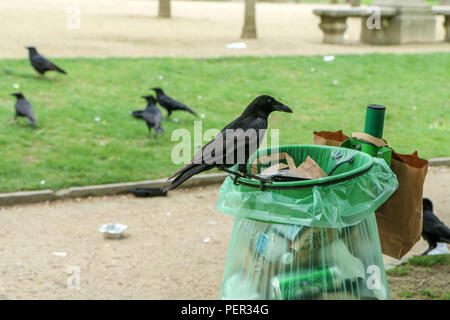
(185, 173)
(31, 122)
(56, 68)
(137, 114)
(190, 111)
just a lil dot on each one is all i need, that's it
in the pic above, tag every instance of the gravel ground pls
(175, 248)
(198, 29)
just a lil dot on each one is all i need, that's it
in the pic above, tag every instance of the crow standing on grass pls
(232, 143)
(434, 230)
(41, 64)
(151, 115)
(24, 109)
(170, 104)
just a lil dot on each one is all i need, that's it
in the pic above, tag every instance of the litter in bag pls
(312, 239)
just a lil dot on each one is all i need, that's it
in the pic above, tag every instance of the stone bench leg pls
(333, 29)
(447, 28)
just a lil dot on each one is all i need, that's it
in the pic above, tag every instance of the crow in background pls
(434, 230)
(170, 104)
(24, 108)
(151, 115)
(254, 117)
(41, 64)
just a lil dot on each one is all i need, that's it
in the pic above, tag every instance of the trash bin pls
(311, 239)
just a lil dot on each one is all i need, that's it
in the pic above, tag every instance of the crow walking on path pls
(434, 230)
(235, 143)
(24, 108)
(170, 104)
(41, 64)
(151, 115)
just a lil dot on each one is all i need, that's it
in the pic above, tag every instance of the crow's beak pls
(278, 106)
(144, 97)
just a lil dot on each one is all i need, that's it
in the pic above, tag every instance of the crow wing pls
(42, 64)
(435, 227)
(152, 116)
(24, 108)
(172, 104)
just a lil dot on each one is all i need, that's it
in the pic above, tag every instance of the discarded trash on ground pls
(237, 45)
(149, 192)
(441, 248)
(113, 230)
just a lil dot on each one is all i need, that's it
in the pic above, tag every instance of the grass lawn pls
(70, 148)
(421, 278)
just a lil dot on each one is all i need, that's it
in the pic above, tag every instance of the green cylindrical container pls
(373, 126)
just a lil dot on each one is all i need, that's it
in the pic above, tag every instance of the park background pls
(86, 136)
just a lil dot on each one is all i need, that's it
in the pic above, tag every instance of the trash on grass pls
(441, 248)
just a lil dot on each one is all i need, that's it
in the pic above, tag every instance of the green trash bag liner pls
(297, 262)
(354, 191)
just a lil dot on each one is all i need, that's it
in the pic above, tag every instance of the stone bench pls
(333, 21)
(446, 13)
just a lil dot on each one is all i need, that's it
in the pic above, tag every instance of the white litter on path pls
(441, 248)
(60, 254)
(237, 45)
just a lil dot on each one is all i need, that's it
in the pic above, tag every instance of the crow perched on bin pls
(170, 104)
(41, 64)
(151, 115)
(24, 108)
(434, 230)
(235, 141)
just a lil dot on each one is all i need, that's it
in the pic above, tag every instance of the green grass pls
(406, 294)
(399, 271)
(69, 148)
(428, 261)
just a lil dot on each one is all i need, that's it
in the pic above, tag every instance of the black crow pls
(41, 64)
(151, 115)
(170, 104)
(434, 230)
(24, 108)
(235, 143)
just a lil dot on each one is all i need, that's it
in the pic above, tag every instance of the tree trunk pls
(249, 30)
(164, 9)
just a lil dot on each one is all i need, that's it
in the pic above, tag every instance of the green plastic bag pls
(313, 239)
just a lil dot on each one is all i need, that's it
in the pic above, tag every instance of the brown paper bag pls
(329, 138)
(308, 169)
(399, 219)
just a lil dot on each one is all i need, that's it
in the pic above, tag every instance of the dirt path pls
(165, 255)
(198, 29)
